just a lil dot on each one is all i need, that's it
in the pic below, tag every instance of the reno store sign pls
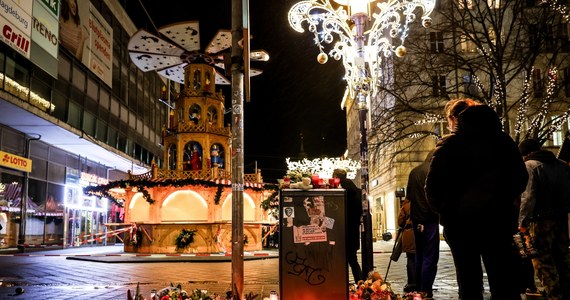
(16, 24)
(15, 162)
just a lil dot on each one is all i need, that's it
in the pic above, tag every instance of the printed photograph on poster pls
(309, 221)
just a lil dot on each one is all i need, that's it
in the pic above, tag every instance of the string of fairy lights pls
(560, 8)
(324, 167)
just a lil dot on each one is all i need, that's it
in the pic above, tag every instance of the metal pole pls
(24, 199)
(239, 7)
(362, 89)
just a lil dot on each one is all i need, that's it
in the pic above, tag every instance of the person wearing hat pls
(544, 209)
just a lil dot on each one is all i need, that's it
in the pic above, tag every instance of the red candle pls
(315, 180)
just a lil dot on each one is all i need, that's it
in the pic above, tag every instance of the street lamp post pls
(361, 44)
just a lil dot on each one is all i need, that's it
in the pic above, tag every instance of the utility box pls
(312, 244)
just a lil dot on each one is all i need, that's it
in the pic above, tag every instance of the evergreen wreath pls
(185, 238)
(141, 185)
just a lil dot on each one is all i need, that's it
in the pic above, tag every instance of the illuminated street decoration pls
(362, 49)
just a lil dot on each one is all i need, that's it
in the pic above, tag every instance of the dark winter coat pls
(477, 173)
(420, 210)
(353, 214)
(547, 194)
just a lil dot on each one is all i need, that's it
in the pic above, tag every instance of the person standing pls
(408, 245)
(476, 176)
(353, 217)
(544, 209)
(426, 228)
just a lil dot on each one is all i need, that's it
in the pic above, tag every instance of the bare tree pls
(507, 54)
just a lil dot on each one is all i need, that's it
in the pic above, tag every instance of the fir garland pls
(185, 238)
(142, 185)
(218, 194)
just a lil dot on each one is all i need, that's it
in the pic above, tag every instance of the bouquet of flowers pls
(177, 293)
(373, 288)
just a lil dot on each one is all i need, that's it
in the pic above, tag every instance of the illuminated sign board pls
(15, 162)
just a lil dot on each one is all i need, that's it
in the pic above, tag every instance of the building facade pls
(73, 106)
(511, 55)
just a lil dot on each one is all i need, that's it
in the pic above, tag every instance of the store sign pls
(53, 6)
(45, 29)
(89, 179)
(16, 24)
(15, 162)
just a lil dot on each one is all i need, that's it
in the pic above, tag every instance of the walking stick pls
(395, 256)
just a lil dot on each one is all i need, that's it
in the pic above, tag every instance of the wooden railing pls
(213, 173)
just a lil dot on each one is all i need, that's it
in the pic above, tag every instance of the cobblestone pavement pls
(53, 275)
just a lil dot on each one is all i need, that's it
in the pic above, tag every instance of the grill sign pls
(15, 162)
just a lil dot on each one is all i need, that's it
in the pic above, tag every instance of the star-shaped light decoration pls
(181, 46)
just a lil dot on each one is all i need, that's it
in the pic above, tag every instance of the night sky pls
(294, 94)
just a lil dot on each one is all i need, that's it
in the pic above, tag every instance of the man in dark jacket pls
(545, 205)
(475, 178)
(353, 216)
(426, 228)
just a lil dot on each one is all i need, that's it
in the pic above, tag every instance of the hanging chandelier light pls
(344, 29)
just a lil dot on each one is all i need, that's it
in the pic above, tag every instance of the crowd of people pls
(484, 189)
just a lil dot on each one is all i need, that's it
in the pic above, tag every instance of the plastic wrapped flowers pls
(177, 293)
(373, 288)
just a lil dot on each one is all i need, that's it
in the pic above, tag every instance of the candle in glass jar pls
(315, 180)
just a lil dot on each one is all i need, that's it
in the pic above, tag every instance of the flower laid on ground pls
(177, 293)
(373, 288)
(185, 238)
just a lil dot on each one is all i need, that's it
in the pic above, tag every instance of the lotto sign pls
(15, 162)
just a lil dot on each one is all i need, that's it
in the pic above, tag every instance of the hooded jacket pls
(547, 193)
(477, 173)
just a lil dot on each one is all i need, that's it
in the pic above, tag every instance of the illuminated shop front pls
(55, 213)
(85, 215)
